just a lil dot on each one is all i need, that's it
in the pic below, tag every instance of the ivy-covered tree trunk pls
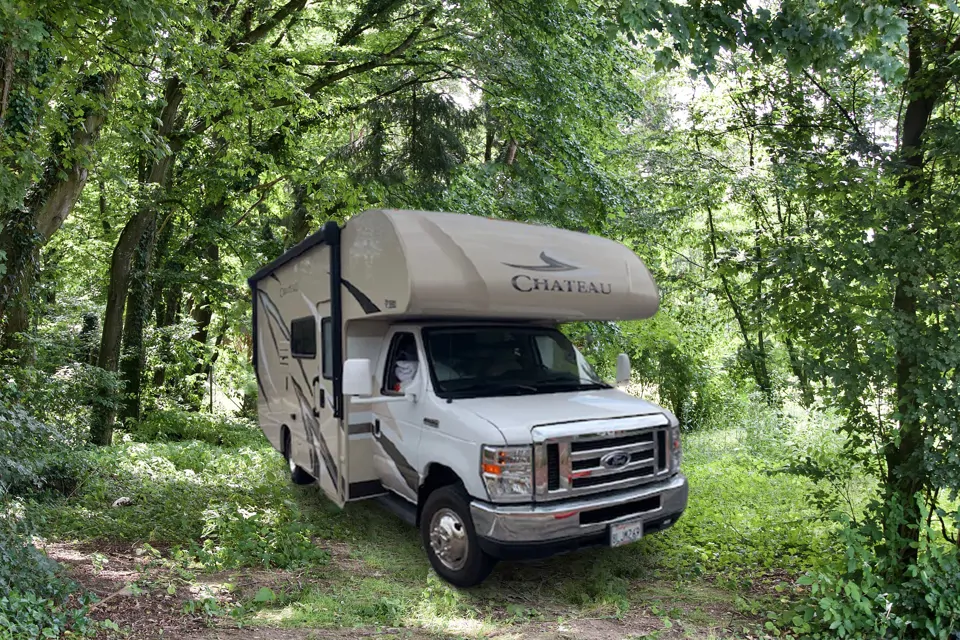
(51, 199)
(165, 297)
(137, 311)
(121, 265)
(904, 453)
(18, 239)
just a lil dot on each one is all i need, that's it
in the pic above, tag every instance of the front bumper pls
(547, 528)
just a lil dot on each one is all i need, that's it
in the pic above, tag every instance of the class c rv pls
(416, 358)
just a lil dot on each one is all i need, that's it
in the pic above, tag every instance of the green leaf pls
(265, 594)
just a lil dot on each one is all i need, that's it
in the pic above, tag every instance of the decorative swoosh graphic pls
(549, 264)
(312, 427)
(407, 472)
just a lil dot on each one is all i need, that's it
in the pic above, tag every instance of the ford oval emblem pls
(615, 459)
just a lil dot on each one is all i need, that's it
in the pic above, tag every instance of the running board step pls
(399, 507)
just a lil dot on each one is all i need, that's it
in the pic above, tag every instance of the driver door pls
(397, 426)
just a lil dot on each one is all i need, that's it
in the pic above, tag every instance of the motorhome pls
(416, 358)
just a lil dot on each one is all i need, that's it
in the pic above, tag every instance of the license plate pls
(625, 532)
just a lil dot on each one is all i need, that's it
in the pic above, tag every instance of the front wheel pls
(450, 539)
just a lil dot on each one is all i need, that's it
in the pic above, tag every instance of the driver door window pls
(403, 364)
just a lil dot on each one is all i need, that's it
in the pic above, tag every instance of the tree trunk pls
(50, 201)
(202, 314)
(762, 370)
(166, 298)
(905, 471)
(511, 152)
(88, 339)
(17, 320)
(17, 241)
(299, 225)
(799, 367)
(490, 132)
(137, 312)
(121, 264)
(168, 317)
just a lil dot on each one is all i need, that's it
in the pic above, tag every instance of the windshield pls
(472, 362)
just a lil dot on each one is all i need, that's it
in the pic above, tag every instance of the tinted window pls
(326, 335)
(303, 337)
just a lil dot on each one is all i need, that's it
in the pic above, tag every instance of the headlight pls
(508, 472)
(676, 451)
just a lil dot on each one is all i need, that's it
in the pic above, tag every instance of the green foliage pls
(171, 486)
(34, 455)
(677, 363)
(257, 535)
(866, 591)
(36, 600)
(176, 425)
(774, 526)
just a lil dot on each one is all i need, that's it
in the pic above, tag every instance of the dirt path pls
(148, 597)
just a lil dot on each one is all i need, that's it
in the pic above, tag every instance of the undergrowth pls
(217, 496)
(36, 600)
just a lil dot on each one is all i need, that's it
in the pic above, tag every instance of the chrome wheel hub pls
(291, 464)
(448, 539)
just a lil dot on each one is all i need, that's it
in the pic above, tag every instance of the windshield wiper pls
(576, 384)
(490, 388)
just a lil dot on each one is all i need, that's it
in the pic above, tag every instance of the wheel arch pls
(437, 475)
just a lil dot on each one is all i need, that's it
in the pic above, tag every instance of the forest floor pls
(215, 543)
(137, 597)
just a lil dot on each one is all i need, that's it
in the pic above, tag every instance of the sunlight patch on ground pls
(455, 626)
(276, 616)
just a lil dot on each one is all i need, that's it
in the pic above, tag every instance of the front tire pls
(450, 539)
(298, 475)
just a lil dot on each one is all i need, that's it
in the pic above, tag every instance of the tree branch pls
(255, 35)
(364, 21)
(325, 81)
(836, 103)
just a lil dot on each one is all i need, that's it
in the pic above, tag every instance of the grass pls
(214, 508)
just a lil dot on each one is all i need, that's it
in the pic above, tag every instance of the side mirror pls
(357, 379)
(623, 369)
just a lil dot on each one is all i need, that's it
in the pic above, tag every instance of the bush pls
(265, 535)
(865, 592)
(175, 425)
(35, 601)
(34, 455)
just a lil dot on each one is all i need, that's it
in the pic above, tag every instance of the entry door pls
(397, 425)
(319, 448)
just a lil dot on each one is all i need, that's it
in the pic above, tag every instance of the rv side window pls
(303, 337)
(402, 364)
(326, 337)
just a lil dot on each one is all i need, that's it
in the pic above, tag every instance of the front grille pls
(613, 442)
(594, 481)
(589, 463)
(553, 467)
(615, 454)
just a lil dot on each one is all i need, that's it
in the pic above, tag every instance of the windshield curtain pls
(489, 361)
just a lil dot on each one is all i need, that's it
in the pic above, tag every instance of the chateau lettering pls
(528, 283)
